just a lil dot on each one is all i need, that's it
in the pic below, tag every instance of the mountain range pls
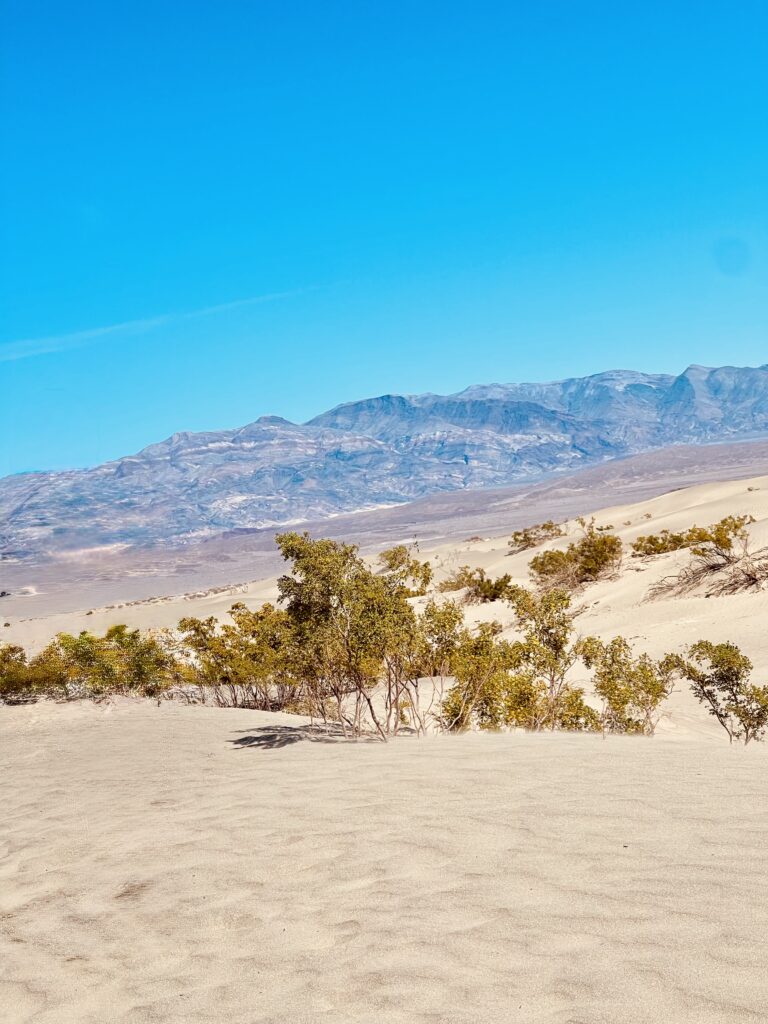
(374, 452)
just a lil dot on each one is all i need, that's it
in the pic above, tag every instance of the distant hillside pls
(378, 451)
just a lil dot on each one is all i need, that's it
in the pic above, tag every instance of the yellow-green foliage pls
(594, 555)
(719, 675)
(354, 629)
(458, 580)
(719, 535)
(245, 663)
(348, 646)
(24, 679)
(403, 569)
(122, 661)
(721, 560)
(501, 684)
(479, 586)
(532, 536)
(631, 688)
(480, 664)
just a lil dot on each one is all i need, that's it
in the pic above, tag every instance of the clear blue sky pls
(212, 211)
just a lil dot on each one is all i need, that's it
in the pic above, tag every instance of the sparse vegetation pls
(722, 562)
(399, 565)
(350, 647)
(720, 679)
(533, 536)
(523, 683)
(480, 588)
(122, 661)
(722, 535)
(632, 689)
(246, 663)
(595, 555)
(459, 579)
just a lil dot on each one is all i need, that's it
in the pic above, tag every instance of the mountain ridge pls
(376, 451)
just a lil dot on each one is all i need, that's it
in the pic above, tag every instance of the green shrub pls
(479, 586)
(532, 536)
(631, 688)
(402, 569)
(459, 579)
(122, 661)
(720, 535)
(722, 561)
(522, 684)
(719, 675)
(590, 558)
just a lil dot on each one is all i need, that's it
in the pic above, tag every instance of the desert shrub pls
(719, 675)
(555, 570)
(459, 579)
(402, 569)
(532, 536)
(721, 535)
(479, 667)
(14, 684)
(545, 656)
(247, 662)
(632, 689)
(347, 646)
(441, 633)
(590, 558)
(479, 586)
(122, 661)
(522, 684)
(354, 634)
(722, 562)
(482, 589)
(22, 680)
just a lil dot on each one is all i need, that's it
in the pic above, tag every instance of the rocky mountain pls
(374, 452)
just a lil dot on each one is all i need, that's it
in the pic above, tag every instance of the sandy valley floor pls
(175, 864)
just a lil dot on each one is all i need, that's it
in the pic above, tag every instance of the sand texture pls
(184, 864)
(191, 864)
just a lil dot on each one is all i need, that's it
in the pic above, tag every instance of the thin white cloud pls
(27, 347)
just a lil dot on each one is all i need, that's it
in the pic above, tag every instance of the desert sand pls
(185, 864)
(607, 608)
(190, 864)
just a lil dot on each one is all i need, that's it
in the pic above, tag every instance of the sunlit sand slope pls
(186, 864)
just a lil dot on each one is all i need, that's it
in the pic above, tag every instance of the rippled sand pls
(174, 864)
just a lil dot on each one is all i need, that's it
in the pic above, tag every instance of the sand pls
(184, 864)
(609, 607)
(189, 864)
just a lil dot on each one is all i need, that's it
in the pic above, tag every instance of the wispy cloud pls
(27, 347)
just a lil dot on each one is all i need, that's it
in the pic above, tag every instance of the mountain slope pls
(378, 451)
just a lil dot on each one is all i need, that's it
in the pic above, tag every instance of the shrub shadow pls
(272, 737)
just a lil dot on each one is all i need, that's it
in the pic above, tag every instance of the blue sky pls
(215, 211)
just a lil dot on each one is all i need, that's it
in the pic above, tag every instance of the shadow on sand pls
(271, 737)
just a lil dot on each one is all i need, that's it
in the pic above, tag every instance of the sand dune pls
(609, 607)
(190, 864)
(187, 865)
